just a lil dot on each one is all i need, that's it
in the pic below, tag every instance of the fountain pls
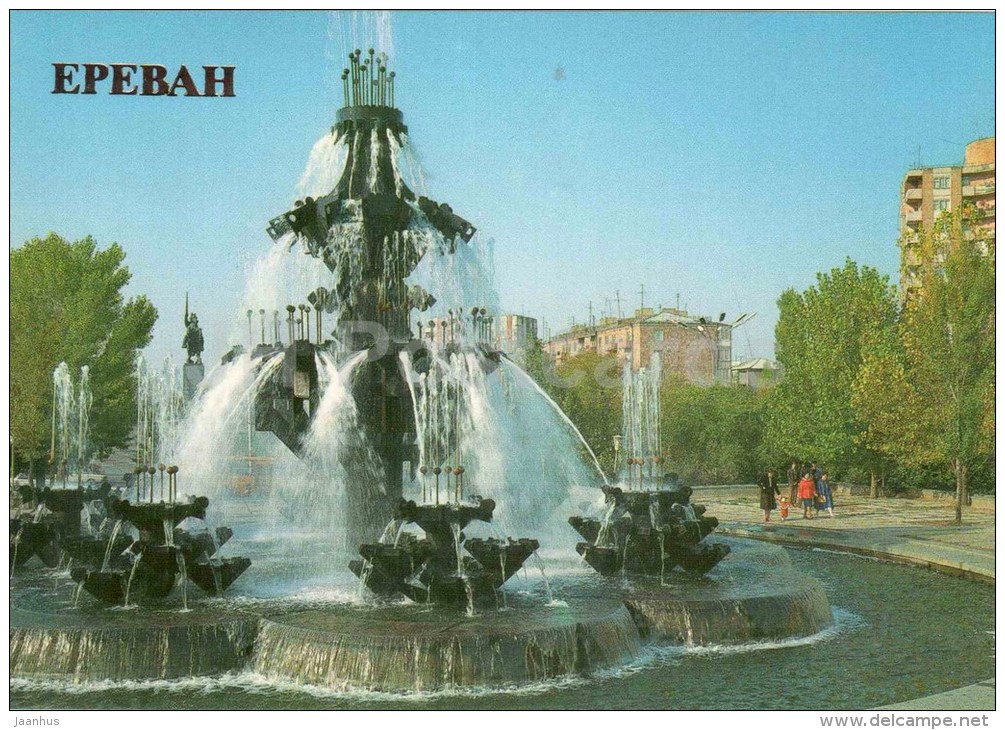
(148, 567)
(83, 526)
(51, 515)
(649, 528)
(371, 231)
(433, 569)
(414, 443)
(647, 531)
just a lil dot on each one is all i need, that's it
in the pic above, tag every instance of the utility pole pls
(590, 320)
(678, 301)
(617, 298)
(642, 297)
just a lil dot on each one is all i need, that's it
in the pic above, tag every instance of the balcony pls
(913, 216)
(970, 191)
(967, 169)
(912, 194)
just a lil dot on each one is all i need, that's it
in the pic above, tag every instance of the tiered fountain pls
(87, 529)
(647, 529)
(415, 407)
(51, 515)
(395, 427)
(122, 570)
(434, 568)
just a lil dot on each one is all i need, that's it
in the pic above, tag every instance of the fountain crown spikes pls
(368, 85)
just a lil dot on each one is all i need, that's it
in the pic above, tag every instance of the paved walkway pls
(980, 696)
(917, 531)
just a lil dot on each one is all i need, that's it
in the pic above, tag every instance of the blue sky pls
(724, 156)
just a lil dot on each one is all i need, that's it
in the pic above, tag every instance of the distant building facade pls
(696, 349)
(756, 373)
(511, 333)
(514, 334)
(927, 192)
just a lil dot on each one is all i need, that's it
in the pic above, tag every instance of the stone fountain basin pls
(753, 594)
(408, 648)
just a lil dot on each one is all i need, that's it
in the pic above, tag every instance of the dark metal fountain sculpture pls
(435, 568)
(118, 569)
(649, 532)
(55, 522)
(371, 231)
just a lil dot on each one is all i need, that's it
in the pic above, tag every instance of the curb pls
(978, 696)
(955, 569)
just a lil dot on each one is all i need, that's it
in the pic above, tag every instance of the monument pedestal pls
(193, 374)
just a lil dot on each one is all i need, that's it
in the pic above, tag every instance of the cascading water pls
(640, 435)
(71, 415)
(213, 428)
(132, 574)
(84, 401)
(515, 446)
(111, 542)
(511, 442)
(183, 578)
(160, 409)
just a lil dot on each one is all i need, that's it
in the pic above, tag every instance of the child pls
(783, 504)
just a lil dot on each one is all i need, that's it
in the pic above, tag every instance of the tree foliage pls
(713, 435)
(949, 343)
(822, 339)
(888, 405)
(588, 389)
(66, 304)
(710, 434)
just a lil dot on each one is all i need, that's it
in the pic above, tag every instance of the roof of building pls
(664, 316)
(669, 315)
(757, 363)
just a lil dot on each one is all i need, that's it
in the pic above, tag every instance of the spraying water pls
(641, 436)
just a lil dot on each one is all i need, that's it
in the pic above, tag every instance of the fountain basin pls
(756, 594)
(402, 648)
(118, 645)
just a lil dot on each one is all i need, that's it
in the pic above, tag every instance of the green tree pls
(587, 388)
(822, 339)
(949, 343)
(887, 404)
(713, 435)
(66, 304)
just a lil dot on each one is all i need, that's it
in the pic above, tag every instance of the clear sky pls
(721, 156)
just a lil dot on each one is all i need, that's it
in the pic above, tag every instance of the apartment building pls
(927, 192)
(695, 348)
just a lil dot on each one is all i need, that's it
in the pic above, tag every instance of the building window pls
(941, 182)
(940, 206)
(658, 335)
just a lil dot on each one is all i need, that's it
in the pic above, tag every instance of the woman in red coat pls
(807, 493)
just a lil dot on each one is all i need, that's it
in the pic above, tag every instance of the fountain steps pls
(756, 594)
(663, 615)
(131, 647)
(430, 651)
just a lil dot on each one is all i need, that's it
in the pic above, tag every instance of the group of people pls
(809, 487)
